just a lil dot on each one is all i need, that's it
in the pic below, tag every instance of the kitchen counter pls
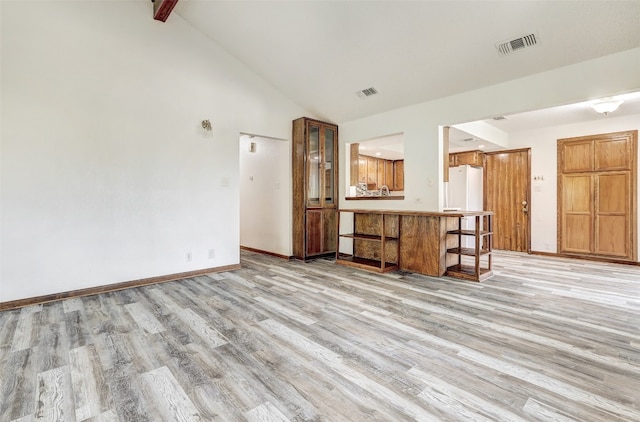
(424, 242)
(453, 213)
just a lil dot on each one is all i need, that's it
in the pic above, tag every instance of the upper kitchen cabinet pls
(472, 158)
(398, 175)
(315, 176)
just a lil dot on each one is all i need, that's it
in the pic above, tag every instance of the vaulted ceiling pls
(320, 53)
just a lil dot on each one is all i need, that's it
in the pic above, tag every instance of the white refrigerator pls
(465, 192)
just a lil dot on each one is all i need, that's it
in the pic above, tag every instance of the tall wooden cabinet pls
(315, 194)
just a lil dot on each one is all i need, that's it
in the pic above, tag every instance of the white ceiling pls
(320, 53)
(531, 120)
(388, 147)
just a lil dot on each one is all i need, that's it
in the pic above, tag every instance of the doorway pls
(507, 193)
(265, 195)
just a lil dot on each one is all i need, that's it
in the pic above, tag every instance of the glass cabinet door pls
(329, 173)
(314, 162)
(321, 162)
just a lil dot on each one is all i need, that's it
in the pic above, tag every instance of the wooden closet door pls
(577, 218)
(597, 195)
(612, 214)
(576, 157)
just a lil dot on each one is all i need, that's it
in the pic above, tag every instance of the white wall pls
(106, 173)
(265, 195)
(543, 144)
(610, 75)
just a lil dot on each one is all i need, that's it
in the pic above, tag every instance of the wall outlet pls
(212, 253)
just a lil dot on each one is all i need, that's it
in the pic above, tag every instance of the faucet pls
(382, 189)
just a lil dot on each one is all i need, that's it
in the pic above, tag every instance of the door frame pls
(527, 188)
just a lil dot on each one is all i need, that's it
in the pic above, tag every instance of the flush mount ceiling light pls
(606, 105)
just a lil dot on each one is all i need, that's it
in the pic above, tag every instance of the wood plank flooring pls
(545, 339)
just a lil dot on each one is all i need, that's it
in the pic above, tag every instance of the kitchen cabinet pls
(315, 176)
(376, 172)
(372, 171)
(388, 170)
(362, 169)
(398, 175)
(382, 175)
(472, 158)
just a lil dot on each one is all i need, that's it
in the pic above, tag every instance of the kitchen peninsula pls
(429, 243)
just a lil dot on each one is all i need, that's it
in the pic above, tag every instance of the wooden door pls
(612, 215)
(315, 233)
(321, 231)
(577, 202)
(597, 195)
(507, 193)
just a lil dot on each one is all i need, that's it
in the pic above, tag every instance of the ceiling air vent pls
(367, 92)
(507, 47)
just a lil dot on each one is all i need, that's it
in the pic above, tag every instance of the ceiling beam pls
(162, 9)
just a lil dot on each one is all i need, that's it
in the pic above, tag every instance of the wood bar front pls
(416, 241)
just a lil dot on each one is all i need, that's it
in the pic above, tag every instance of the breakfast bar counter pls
(452, 243)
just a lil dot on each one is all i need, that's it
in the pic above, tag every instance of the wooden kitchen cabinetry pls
(315, 177)
(471, 263)
(376, 172)
(398, 175)
(472, 158)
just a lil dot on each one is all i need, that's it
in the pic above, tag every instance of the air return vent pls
(507, 47)
(367, 92)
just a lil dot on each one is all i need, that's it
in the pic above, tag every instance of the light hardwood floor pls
(543, 340)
